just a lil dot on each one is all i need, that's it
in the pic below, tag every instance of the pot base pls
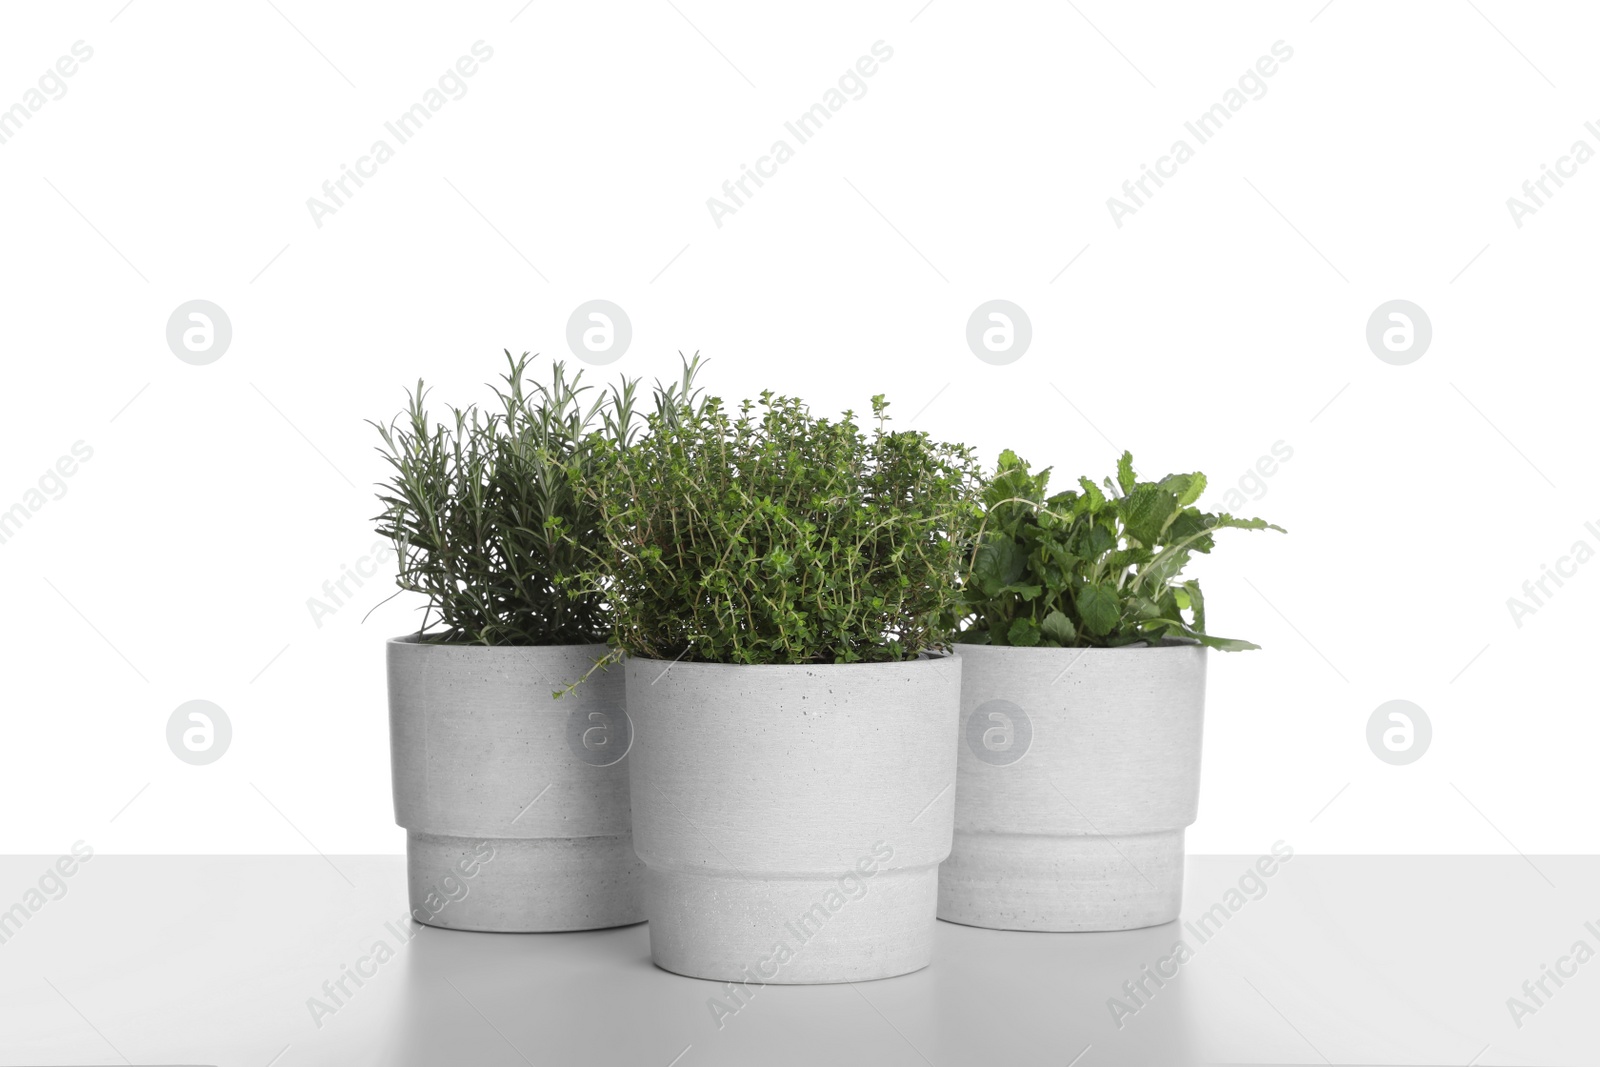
(1074, 882)
(523, 885)
(728, 928)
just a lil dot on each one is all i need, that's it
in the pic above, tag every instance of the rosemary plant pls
(488, 512)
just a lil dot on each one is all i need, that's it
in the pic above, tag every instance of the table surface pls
(1346, 960)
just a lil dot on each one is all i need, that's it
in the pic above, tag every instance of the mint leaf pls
(1093, 495)
(1024, 633)
(1099, 609)
(1058, 627)
(1145, 513)
(1125, 477)
(1099, 568)
(1197, 602)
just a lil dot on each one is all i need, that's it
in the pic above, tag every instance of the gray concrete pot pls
(1079, 770)
(515, 804)
(792, 819)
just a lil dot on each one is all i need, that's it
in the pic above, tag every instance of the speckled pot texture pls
(1078, 771)
(792, 819)
(515, 804)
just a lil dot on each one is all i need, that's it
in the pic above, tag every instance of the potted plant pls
(1083, 687)
(515, 805)
(785, 587)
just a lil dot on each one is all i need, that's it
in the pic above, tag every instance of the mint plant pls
(766, 534)
(487, 511)
(1085, 568)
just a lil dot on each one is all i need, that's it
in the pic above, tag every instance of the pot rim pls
(413, 640)
(923, 660)
(1167, 645)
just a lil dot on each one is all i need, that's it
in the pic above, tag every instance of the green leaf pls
(1097, 542)
(1125, 476)
(1222, 644)
(1058, 627)
(1099, 609)
(1100, 568)
(1005, 559)
(1024, 633)
(1185, 524)
(1230, 522)
(1197, 602)
(1000, 562)
(1225, 644)
(1145, 608)
(1146, 511)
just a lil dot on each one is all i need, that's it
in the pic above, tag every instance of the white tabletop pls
(1346, 960)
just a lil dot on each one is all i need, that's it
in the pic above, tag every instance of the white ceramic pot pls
(791, 819)
(515, 804)
(1079, 770)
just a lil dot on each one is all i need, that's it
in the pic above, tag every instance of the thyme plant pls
(767, 534)
(487, 510)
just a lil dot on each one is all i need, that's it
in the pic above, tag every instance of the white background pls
(1226, 315)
